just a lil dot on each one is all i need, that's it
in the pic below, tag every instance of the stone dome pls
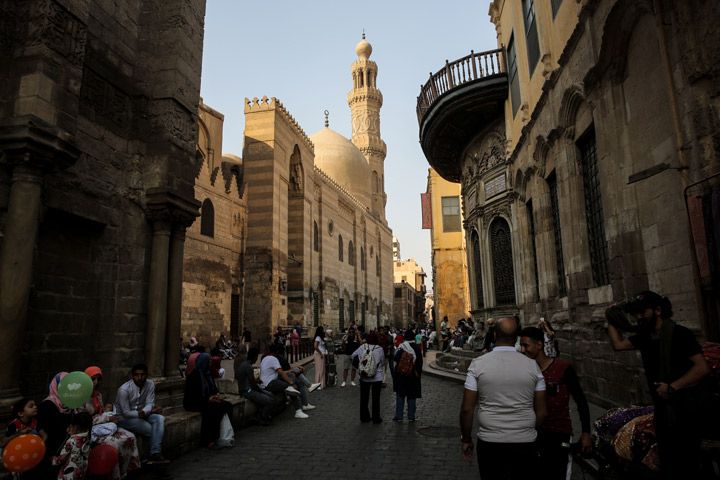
(342, 161)
(363, 49)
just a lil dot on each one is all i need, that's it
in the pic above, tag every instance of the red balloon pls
(102, 460)
(23, 453)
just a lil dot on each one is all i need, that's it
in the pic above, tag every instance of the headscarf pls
(215, 366)
(95, 403)
(53, 392)
(192, 359)
(202, 367)
(193, 342)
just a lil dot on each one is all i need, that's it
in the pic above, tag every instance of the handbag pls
(227, 434)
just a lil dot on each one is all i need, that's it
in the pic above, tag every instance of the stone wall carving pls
(51, 25)
(482, 156)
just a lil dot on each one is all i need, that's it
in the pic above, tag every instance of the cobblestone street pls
(332, 443)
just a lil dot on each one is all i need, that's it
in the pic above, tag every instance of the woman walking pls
(370, 353)
(319, 356)
(406, 379)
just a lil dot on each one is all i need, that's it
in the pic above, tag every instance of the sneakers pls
(352, 382)
(342, 384)
(308, 407)
(292, 389)
(314, 387)
(157, 458)
(301, 414)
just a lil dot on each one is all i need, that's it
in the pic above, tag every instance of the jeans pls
(264, 400)
(365, 388)
(152, 427)
(554, 457)
(400, 406)
(279, 386)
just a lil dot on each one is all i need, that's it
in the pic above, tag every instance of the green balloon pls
(75, 389)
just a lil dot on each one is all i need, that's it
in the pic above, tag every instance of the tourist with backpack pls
(406, 378)
(371, 359)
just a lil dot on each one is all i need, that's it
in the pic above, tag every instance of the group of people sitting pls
(277, 382)
(69, 433)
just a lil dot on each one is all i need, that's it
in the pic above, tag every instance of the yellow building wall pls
(449, 256)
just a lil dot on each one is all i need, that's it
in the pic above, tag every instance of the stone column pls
(174, 301)
(16, 260)
(157, 298)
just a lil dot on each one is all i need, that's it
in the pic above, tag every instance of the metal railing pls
(464, 70)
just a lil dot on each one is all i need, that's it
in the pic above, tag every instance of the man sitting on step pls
(276, 380)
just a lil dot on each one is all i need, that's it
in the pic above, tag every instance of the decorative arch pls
(341, 247)
(617, 32)
(351, 253)
(540, 155)
(570, 104)
(375, 182)
(207, 218)
(502, 261)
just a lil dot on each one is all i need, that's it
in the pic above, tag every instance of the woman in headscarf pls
(407, 386)
(53, 419)
(202, 395)
(121, 440)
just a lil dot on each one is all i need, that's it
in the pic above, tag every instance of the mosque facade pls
(299, 221)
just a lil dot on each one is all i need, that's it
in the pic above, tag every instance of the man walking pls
(674, 367)
(508, 390)
(561, 383)
(135, 405)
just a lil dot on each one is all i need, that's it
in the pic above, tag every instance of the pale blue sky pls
(301, 52)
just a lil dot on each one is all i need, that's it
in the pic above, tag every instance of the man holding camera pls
(674, 367)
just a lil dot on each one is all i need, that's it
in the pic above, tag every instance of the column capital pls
(165, 205)
(31, 143)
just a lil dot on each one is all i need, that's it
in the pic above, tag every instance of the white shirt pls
(268, 369)
(506, 382)
(321, 345)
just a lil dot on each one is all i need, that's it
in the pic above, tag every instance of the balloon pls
(75, 389)
(102, 460)
(23, 453)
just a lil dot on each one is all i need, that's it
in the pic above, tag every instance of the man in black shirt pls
(674, 367)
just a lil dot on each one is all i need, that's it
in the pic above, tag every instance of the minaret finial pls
(363, 34)
(327, 121)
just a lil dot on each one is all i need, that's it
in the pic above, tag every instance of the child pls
(25, 412)
(73, 457)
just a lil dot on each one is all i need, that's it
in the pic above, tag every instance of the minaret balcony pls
(457, 103)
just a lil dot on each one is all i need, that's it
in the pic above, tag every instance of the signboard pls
(495, 186)
(426, 211)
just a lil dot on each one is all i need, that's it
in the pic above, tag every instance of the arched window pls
(340, 248)
(207, 218)
(351, 253)
(375, 182)
(502, 262)
(316, 237)
(477, 268)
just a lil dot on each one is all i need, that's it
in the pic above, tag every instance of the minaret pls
(365, 101)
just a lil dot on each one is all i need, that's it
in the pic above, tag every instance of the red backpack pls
(406, 365)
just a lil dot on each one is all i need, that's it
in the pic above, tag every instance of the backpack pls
(406, 365)
(367, 366)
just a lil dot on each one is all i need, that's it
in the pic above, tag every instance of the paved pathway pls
(333, 444)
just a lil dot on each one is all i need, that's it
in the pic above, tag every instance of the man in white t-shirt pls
(508, 390)
(275, 380)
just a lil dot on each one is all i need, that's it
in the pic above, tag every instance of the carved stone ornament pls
(482, 156)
